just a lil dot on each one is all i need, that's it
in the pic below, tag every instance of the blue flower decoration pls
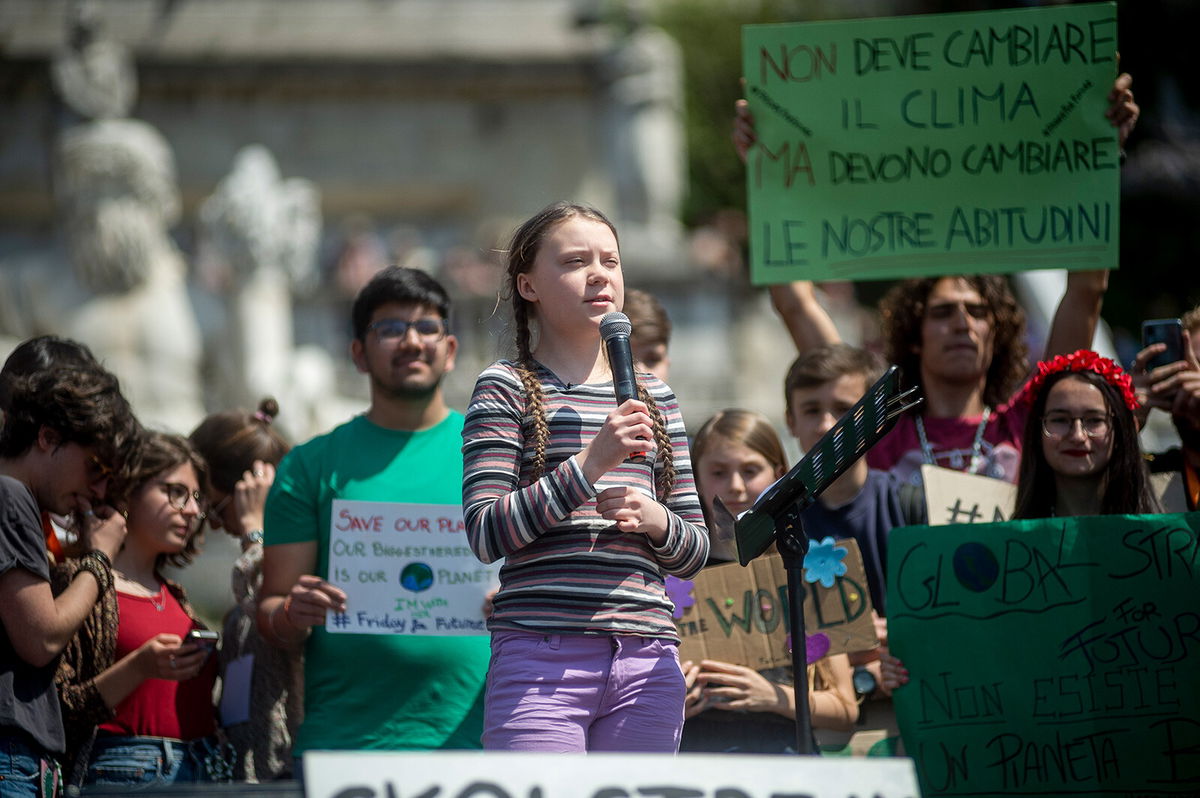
(680, 593)
(823, 563)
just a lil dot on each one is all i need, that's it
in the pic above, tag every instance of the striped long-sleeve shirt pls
(566, 569)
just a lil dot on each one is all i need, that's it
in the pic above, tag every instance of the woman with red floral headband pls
(1080, 452)
(1080, 449)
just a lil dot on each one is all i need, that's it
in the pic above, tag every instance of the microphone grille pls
(615, 323)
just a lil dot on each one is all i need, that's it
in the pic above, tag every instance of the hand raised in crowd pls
(166, 656)
(1172, 387)
(1122, 110)
(103, 529)
(744, 136)
(627, 430)
(250, 495)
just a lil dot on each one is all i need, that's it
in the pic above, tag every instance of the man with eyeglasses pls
(64, 431)
(406, 448)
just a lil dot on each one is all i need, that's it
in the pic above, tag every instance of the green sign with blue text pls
(1050, 657)
(939, 144)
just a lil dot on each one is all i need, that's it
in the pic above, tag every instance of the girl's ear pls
(525, 288)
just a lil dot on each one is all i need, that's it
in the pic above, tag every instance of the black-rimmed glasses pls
(1060, 425)
(428, 329)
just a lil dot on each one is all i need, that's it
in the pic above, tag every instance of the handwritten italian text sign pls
(1050, 657)
(936, 144)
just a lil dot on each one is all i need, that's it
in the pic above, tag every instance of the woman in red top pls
(137, 694)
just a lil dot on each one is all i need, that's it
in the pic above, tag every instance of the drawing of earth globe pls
(417, 576)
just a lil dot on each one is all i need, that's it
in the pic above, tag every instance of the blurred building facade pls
(427, 128)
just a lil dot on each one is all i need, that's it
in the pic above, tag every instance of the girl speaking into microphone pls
(584, 648)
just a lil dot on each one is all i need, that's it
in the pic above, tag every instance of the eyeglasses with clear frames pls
(178, 495)
(1060, 425)
(428, 329)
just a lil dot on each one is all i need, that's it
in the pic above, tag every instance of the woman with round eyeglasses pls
(1080, 452)
(136, 689)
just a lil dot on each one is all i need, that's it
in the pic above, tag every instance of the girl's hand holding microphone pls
(627, 431)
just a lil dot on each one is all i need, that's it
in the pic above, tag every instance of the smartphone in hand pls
(205, 638)
(1164, 331)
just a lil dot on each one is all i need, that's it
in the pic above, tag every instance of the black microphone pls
(615, 330)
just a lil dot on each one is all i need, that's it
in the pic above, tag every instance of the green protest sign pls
(1050, 657)
(939, 144)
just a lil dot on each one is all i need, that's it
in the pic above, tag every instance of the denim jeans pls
(22, 768)
(153, 761)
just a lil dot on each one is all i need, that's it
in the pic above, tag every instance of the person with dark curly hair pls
(65, 432)
(961, 340)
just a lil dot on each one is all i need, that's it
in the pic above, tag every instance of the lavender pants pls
(575, 693)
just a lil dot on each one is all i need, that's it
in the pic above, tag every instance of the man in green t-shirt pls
(368, 691)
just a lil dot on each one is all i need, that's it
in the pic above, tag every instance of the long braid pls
(665, 481)
(535, 405)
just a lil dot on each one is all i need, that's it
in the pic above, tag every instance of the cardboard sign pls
(955, 497)
(442, 774)
(406, 569)
(934, 144)
(740, 615)
(1050, 657)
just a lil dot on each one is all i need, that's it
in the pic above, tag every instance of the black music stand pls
(775, 517)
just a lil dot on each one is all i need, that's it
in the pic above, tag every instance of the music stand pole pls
(792, 544)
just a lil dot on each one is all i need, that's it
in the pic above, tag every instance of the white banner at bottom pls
(421, 774)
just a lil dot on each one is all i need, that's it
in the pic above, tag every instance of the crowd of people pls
(108, 677)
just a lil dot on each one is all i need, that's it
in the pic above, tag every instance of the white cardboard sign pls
(955, 497)
(406, 569)
(490, 774)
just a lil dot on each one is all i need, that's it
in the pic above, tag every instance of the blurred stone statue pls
(117, 282)
(645, 72)
(259, 234)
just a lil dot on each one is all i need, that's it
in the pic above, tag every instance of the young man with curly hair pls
(961, 339)
(65, 432)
